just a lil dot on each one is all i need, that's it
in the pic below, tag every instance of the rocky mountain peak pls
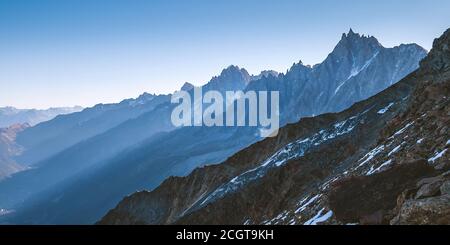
(352, 54)
(265, 74)
(350, 34)
(234, 70)
(268, 73)
(438, 60)
(187, 86)
(231, 78)
(298, 69)
(353, 41)
(142, 99)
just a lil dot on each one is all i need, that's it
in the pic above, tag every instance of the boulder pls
(445, 188)
(429, 189)
(427, 211)
(430, 180)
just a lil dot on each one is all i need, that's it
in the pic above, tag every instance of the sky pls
(83, 52)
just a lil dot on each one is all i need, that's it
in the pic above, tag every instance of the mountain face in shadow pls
(9, 149)
(46, 139)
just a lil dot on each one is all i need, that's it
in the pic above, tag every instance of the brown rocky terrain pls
(384, 160)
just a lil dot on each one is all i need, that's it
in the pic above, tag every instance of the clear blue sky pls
(83, 52)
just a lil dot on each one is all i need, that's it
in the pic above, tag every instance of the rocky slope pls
(385, 160)
(9, 149)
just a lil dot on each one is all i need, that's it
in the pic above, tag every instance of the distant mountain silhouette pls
(11, 115)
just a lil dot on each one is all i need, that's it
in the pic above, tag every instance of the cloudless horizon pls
(80, 52)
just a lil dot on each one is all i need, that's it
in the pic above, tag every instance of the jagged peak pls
(267, 73)
(299, 66)
(234, 69)
(352, 36)
(187, 86)
(299, 63)
(351, 32)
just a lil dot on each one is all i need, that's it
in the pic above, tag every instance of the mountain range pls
(10, 115)
(78, 166)
(384, 160)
